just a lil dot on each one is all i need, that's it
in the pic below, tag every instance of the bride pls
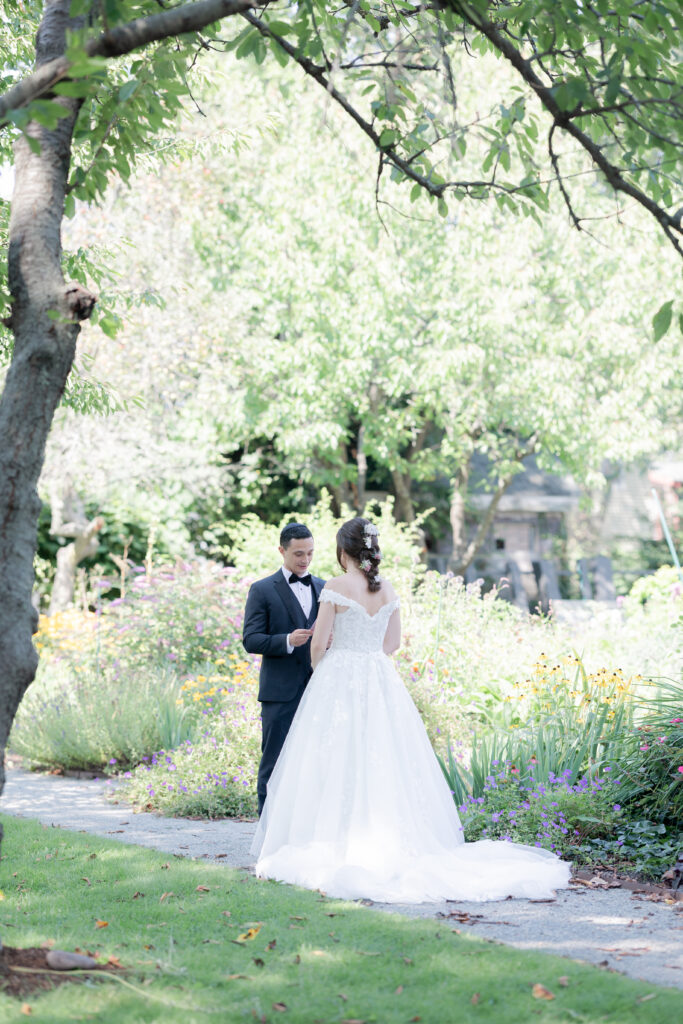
(357, 805)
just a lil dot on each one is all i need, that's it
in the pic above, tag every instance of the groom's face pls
(298, 554)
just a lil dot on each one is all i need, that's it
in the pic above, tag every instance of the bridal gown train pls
(358, 806)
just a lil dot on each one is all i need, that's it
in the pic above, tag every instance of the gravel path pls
(634, 933)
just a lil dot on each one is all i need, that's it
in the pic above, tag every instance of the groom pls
(278, 624)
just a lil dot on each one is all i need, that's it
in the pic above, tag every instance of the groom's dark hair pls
(293, 531)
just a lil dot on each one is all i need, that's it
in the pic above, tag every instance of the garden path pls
(618, 929)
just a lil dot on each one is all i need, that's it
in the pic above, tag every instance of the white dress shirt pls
(304, 596)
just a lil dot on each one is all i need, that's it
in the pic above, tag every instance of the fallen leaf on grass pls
(166, 896)
(407, 960)
(250, 934)
(48, 944)
(203, 888)
(644, 999)
(165, 867)
(475, 998)
(114, 961)
(341, 996)
(215, 942)
(234, 977)
(293, 918)
(138, 895)
(258, 962)
(280, 1006)
(226, 913)
(361, 952)
(398, 990)
(541, 992)
(297, 959)
(563, 981)
(101, 924)
(319, 952)
(86, 880)
(414, 1020)
(272, 944)
(25, 1008)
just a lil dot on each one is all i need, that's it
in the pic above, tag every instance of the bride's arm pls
(392, 637)
(322, 631)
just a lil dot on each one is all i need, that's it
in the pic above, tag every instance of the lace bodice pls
(356, 629)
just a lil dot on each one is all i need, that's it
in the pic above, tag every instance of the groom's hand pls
(299, 637)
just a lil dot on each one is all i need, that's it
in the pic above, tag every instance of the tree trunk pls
(462, 564)
(43, 353)
(404, 510)
(341, 494)
(457, 511)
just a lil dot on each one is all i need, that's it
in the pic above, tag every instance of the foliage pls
(410, 365)
(175, 923)
(604, 81)
(645, 847)
(651, 762)
(556, 727)
(98, 719)
(582, 821)
(557, 814)
(663, 590)
(252, 544)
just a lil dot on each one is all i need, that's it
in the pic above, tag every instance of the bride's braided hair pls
(359, 539)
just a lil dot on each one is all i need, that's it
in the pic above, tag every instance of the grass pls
(176, 924)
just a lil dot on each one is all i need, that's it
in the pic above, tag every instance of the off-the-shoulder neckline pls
(343, 598)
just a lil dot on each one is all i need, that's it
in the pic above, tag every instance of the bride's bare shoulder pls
(337, 583)
(388, 588)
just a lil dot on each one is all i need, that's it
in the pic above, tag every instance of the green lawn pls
(176, 924)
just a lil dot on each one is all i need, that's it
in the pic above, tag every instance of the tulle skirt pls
(358, 806)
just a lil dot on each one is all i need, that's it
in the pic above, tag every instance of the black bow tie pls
(306, 580)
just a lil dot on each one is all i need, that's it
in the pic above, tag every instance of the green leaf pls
(442, 207)
(48, 113)
(79, 7)
(281, 56)
(248, 44)
(109, 324)
(415, 191)
(280, 28)
(127, 89)
(77, 88)
(388, 137)
(661, 321)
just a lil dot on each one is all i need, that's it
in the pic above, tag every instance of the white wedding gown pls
(357, 804)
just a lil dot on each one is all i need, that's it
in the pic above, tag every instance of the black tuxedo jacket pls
(271, 614)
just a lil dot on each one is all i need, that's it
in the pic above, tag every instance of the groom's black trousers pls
(276, 718)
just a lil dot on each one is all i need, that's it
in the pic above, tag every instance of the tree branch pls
(124, 39)
(318, 74)
(563, 119)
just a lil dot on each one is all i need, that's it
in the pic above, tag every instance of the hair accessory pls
(370, 531)
(365, 565)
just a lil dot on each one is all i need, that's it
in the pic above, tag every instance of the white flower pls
(370, 531)
(366, 565)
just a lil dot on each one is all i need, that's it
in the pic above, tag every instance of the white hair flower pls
(370, 531)
(366, 565)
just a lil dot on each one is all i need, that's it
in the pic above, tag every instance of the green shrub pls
(97, 718)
